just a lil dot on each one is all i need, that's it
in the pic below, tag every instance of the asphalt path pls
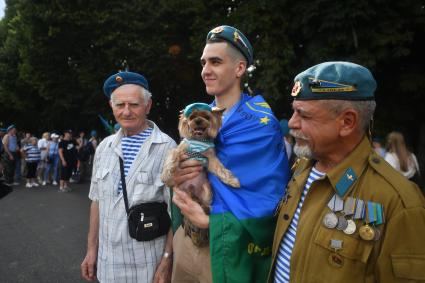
(43, 234)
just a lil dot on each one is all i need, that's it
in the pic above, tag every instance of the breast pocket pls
(347, 262)
(102, 180)
(148, 187)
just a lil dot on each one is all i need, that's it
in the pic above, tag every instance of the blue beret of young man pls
(236, 38)
(122, 78)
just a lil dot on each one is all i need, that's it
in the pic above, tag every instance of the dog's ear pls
(183, 126)
(215, 121)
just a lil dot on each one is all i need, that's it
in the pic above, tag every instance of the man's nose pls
(126, 110)
(293, 123)
(205, 69)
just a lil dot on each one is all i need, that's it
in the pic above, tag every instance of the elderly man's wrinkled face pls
(129, 109)
(314, 128)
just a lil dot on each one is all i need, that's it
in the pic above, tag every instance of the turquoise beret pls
(10, 128)
(234, 37)
(123, 78)
(195, 106)
(334, 80)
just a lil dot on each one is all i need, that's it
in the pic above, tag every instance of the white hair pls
(365, 109)
(145, 94)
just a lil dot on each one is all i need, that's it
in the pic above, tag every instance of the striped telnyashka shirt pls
(283, 267)
(32, 153)
(130, 147)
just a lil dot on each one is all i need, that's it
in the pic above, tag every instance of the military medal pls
(366, 232)
(351, 227)
(334, 258)
(330, 220)
(349, 209)
(359, 210)
(342, 223)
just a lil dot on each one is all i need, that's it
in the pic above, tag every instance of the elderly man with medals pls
(347, 215)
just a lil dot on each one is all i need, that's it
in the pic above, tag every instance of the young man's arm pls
(88, 266)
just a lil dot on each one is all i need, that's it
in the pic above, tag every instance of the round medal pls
(330, 220)
(342, 223)
(351, 227)
(366, 232)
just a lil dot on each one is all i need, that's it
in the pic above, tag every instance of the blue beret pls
(122, 78)
(195, 106)
(284, 126)
(10, 128)
(334, 80)
(3, 130)
(93, 133)
(234, 37)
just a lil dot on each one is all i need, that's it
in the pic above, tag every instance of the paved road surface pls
(43, 234)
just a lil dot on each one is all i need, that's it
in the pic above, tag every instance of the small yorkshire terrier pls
(198, 127)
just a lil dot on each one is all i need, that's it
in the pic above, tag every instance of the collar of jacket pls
(155, 137)
(355, 163)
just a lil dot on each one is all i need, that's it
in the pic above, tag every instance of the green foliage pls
(55, 54)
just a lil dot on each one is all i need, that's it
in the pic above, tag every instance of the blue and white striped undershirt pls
(287, 244)
(32, 153)
(130, 147)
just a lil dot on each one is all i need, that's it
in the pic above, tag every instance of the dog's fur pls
(201, 125)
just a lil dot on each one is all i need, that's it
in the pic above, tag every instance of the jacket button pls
(286, 216)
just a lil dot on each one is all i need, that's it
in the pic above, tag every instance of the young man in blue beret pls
(249, 144)
(140, 146)
(347, 215)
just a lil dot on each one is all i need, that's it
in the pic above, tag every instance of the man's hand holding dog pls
(187, 170)
(191, 209)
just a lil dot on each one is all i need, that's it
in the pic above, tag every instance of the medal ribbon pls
(336, 203)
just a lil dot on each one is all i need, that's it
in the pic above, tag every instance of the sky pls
(2, 5)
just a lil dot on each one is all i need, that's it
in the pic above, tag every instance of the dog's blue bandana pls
(196, 147)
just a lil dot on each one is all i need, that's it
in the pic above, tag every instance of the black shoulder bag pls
(146, 221)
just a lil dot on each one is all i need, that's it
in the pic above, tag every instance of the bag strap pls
(124, 187)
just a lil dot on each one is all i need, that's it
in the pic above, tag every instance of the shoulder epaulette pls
(407, 190)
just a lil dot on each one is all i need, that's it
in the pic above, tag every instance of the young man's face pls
(220, 72)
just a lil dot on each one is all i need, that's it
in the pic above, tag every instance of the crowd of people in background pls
(54, 159)
(62, 158)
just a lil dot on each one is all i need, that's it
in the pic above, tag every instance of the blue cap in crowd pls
(334, 80)
(10, 128)
(122, 78)
(196, 106)
(234, 37)
(3, 130)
